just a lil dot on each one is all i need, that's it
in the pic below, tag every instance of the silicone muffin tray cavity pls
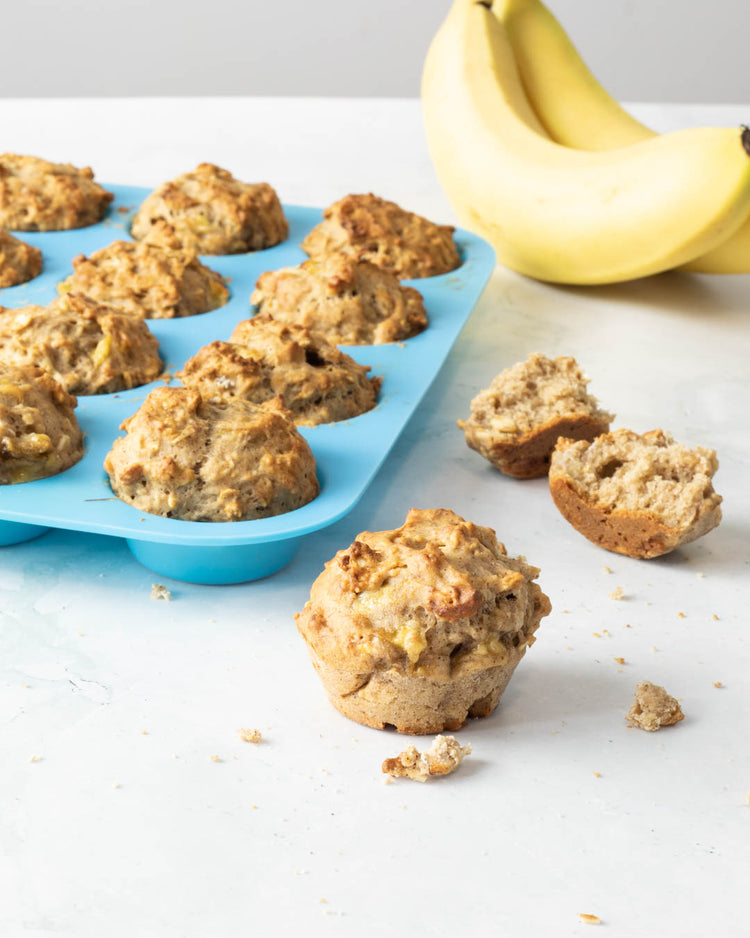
(348, 454)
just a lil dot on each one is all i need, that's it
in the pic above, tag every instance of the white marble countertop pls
(115, 819)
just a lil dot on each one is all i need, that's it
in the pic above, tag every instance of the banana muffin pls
(350, 302)
(208, 211)
(36, 195)
(636, 495)
(421, 627)
(87, 347)
(198, 460)
(39, 433)
(517, 420)
(265, 359)
(369, 228)
(147, 280)
(19, 261)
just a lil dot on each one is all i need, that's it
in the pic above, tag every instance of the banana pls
(560, 214)
(576, 111)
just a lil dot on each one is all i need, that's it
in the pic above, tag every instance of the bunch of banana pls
(535, 156)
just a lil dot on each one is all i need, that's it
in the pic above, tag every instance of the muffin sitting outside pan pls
(348, 301)
(265, 359)
(39, 433)
(421, 627)
(87, 347)
(147, 280)
(36, 195)
(636, 495)
(366, 227)
(517, 420)
(208, 211)
(197, 460)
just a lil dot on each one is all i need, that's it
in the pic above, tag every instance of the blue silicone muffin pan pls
(347, 454)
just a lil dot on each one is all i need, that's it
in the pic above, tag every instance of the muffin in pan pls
(197, 460)
(348, 301)
(373, 229)
(421, 627)
(39, 432)
(87, 347)
(208, 211)
(36, 195)
(19, 261)
(516, 421)
(639, 495)
(266, 359)
(147, 280)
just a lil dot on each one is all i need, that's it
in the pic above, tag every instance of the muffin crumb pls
(159, 591)
(250, 735)
(653, 708)
(443, 757)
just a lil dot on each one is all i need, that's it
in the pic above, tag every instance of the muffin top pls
(185, 457)
(370, 228)
(348, 301)
(36, 195)
(19, 261)
(147, 280)
(208, 211)
(316, 382)
(39, 433)
(438, 597)
(87, 347)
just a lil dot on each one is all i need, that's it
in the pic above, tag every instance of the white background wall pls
(642, 50)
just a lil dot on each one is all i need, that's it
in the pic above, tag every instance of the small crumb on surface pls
(700, 574)
(715, 617)
(597, 774)
(620, 660)
(653, 708)
(159, 591)
(250, 736)
(215, 758)
(443, 757)
(589, 919)
(718, 684)
(606, 569)
(617, 593)
(35, 759)
(680, 615)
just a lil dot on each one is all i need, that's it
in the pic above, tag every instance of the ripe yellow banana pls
(576, 111)
(557, 213)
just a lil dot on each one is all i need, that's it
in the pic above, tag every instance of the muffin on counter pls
(198, 460)
(642, 496)
(36, 195)
(147, 280)
(265, 359)
(39, 433)
(350, 302)
(421, 627)
(87, 347)
(517, 420)
(19, 261)
(208, 211)
(369, 228)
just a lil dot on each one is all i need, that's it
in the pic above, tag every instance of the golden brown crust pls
(19, 261)
(183, 457)
(641, 496)
(373, 229)
(88, 348)
(36, 195)
(147, 280)
(265, 359)
(348, 301)
(516, 421)
(39, 433)
(208, 211)
(421, 627)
